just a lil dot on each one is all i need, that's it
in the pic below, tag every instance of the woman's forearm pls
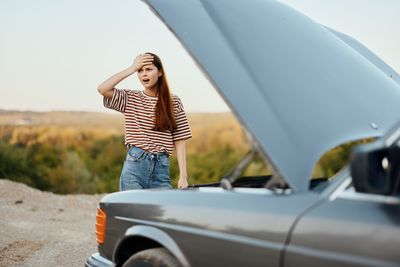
(181, 157)
(107, 87)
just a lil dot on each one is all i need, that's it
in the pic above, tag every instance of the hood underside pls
(299, 88)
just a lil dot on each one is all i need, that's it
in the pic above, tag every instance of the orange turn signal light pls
(100, 225)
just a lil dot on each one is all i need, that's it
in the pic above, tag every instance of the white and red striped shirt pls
(139, 111)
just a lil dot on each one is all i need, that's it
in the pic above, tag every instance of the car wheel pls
(155, 257)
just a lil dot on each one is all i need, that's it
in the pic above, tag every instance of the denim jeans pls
(144, 170)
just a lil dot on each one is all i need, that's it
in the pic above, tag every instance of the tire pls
(155, 257)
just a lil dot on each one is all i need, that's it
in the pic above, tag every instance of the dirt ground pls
(43, 229)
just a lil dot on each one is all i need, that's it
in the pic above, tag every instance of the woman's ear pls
(159, 74)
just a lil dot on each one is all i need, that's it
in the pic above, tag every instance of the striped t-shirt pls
(139, 111)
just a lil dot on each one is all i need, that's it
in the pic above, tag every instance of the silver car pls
(299, 89)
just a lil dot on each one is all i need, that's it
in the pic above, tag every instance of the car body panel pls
(365, 52)
(243, 223)
(296, 74)
(353, 230)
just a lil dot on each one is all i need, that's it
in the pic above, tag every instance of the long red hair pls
(165, 118)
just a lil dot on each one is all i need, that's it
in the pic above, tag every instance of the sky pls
(54, 53)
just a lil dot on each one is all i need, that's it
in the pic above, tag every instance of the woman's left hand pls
(182, 183)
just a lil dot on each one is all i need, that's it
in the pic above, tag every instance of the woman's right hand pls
(141, 60)
(107, 87)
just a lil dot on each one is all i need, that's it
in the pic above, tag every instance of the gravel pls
(44, 229)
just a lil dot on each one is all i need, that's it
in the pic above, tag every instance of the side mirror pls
(375, 167)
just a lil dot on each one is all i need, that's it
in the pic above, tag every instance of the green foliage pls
(209, 166)
(335, 159)
(258, 166)
(14, 164)
(81, 165)
(66, 160)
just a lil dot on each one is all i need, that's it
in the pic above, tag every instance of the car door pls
(353, 229)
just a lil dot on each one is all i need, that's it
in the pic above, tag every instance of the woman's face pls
(148, 75)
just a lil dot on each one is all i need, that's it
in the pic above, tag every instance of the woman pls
(155, 124)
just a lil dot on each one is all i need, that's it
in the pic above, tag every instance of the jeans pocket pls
(134, 154)
(165, 161)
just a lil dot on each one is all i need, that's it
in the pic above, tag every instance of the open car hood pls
(298, 87)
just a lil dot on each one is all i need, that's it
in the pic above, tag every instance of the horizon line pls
(90, 111)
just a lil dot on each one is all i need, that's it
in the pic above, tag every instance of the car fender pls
(156, 235)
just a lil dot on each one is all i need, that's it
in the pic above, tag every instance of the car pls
(299, 89)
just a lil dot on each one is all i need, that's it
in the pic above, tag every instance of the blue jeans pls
(144, 170)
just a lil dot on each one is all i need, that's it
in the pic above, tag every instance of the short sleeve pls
(118, 100)
(182, 131)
